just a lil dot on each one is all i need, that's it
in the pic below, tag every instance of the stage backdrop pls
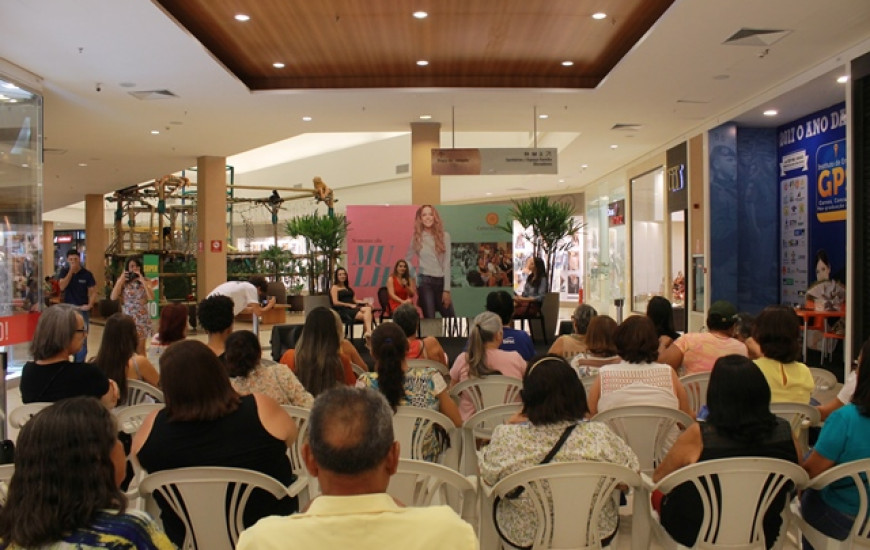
(481, 253)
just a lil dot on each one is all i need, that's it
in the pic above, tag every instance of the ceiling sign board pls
(494, 162)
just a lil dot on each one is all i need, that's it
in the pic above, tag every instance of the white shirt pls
(241, 293)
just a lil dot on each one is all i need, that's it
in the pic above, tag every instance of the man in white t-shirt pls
(246, 296)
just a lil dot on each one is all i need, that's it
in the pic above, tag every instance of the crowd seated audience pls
(206, 423)
(638, 379)
(65, 492)
(352, 453)
(697, 351)
(172, 328)
(50, 375)
(570, 345)
(484, 357)
(428, 347)
(117, 357)
(554, 403)
(661, 313)
(600, 347)
(250, 373)
(778, 330)
(216, 317)
(739, 424)
(502, 304)
(833, 509)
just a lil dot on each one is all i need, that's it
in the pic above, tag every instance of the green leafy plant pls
(274, 260)
(323, 236)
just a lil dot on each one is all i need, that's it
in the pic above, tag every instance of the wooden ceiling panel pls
(376, 44)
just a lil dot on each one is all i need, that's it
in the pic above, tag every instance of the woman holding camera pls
(136, 292)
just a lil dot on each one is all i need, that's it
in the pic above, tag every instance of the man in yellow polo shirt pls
(352, 452)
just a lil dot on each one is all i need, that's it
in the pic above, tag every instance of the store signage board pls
(494, 162)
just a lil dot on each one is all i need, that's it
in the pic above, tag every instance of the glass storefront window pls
(648, 277)
(605, 249)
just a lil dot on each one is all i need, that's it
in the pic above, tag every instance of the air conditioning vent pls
(627, 127)
(150, 95)
(403, 168)
(756, 37)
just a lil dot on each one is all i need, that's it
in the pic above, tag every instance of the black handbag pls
(7, 451)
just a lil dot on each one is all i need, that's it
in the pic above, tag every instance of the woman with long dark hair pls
(117, 357)
(535, 288)
(135, 291)
(250, 373)
(661, 313)
(345, 303)
(65, 492)
(739, 424)
(401, 286)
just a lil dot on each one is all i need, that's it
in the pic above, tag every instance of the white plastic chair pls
(488, 391)
(19, 416)
(418, 483)
(6, 471)
(305, 486)
(478, 427)
(735, 495)
(566, 500)
(824, 380)
(647, 430)
(130, 418)
(432, 364)
(198, 496)
(142, 392)
(358, 370)
(801, 416)
(859, 537)
(412, 426)
(696, 389)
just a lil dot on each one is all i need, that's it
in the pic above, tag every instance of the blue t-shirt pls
(76, 292)
(845, 438)
(518, 341)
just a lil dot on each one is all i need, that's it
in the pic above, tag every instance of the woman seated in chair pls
(408, 319)
(172, 328)
(401, 385)
(739, 424)
(483, 357)
(65, 492)
(345, 303)
(117, 357)
(322, 357)
(554, 402)
(778, 331)
(250, 373)
(832, 510)
(661, 312)
(206, 423)
(529, 301)
(401, 288)
(600, 348)
(570, 345)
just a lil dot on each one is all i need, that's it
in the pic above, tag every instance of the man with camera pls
(78, 287)
(247, 297)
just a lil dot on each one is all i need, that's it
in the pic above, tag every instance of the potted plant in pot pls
(323, 236)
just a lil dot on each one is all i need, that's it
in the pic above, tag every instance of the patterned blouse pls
(136, 306)
(515, 447)
(276, 381)
(132, 530)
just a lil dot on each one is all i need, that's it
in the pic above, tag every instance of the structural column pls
(95, 231)
(211, 224)
(425, 188)
(48, 265)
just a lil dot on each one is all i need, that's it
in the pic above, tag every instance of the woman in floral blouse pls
(553, 399)
(249, 373)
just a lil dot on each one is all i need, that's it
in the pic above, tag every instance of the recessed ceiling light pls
(420, 15)
(306, 119)
(771, 112)
(543, 116)
(155, 132)
(614, 146)
(422, 62)
(843, 79)
(599, 15)
(25, 165)
(584, 166)
(567, 63)
(242, 17)
(83, 164)
(425, 117)
(278, 65)
(561, 181)
(488, 194)
(13, 101)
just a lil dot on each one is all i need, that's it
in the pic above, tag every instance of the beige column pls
(211, 224)
(95, 233)
(425, 188)
(47, 250)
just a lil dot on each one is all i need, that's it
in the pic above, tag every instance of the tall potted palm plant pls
(323, 236)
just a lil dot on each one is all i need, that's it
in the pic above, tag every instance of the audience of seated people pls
(697, 351)
(250, 373)
(172, 328)
(570, 345)
(215, 314)
(484, 357)
(502, 304)
(352, 452)
(739, 424)
(207, 423)
(778, 331)
(65, 492)
(428, 347)
(661, 313)
(554, 403)
(117, 357)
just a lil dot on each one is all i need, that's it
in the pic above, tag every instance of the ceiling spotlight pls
(584, 166)
(425, 117)
(614, 146)
(420, 15)
(770, 112)
(242, 17)
(561, 181)
(278, 65)
(543, 116)
(306, 119)
(599, 15)
(488, 194)
(83, 164)
(155, 132)
(422, 62)
(843, 79)
(567, 63)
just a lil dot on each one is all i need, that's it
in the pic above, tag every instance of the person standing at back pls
(79, 289)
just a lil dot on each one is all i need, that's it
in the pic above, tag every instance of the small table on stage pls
(820, 320)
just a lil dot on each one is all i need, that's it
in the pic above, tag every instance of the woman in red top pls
(400, 286)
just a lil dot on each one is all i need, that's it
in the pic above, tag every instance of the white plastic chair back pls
(19, 416)
(696, 389)
(859, 537)
(489, 391)
(305, 486)
(824, 380)
(432, 364)
(479, 427)
(647, 430)
(142, 392)
(800, 416)
(735, 495)
(357, 370)
(6, 471)
(198, 496)
(567, 499)
(411, 427)
(130, 418)
(418, 483)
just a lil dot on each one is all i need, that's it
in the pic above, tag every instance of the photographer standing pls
(136, 292)
(79, 288)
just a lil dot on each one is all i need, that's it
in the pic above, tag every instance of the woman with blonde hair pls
(431, 245)
(483, 357)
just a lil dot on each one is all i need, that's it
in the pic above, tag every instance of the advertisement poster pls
(151, 272)
(812, 185)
